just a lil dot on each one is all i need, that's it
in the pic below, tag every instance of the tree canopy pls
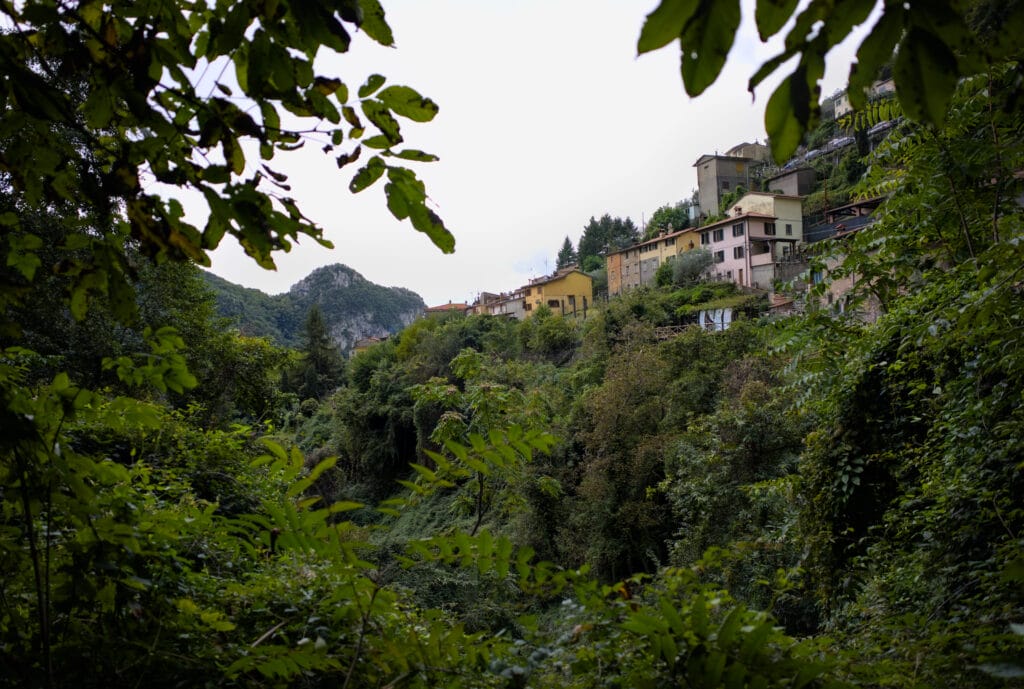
(106, 105)
(566, 255)
(858, 482)
(668, 218)
(602, 235)
(935, 43)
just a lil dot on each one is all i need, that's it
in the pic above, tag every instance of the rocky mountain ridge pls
(353, 307)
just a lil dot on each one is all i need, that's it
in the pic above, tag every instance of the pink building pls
(757, 243)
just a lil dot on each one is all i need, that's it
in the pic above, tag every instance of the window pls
(719, 256)
(737, 252)
(554, 303)
(789, 229)
(737, 230)
(670, 242)
(719, 235)
(705, 238)
(725, 185)
(769, 228)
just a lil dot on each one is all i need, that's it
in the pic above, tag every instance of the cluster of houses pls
(567, 292)
(760, 241)
(754, 246)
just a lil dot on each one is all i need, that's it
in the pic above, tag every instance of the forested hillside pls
(353, 307)
(631, 500)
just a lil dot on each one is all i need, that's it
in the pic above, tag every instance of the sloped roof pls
(557, 276)
(655, 240)
(446, 307)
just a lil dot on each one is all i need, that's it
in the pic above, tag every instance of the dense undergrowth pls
(800, 501)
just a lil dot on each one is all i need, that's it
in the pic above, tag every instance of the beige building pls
(718, 175)
(796, 182)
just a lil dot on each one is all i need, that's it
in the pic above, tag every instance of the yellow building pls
(569, 292)
(637, 264)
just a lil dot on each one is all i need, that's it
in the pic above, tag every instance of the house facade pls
(796, 182)
(569, 292)
(757, 243)
(718, 175)
(506, 304)
(637, 265)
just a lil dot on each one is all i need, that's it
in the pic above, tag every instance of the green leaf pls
(98, 108)
(367, 175)
(374, 25)
(665, 24)
(423, 471)
(706, 42)
(699, 615)
(729, 628)
(408, 103)
(407, 199)
(381, 117)
(344, 506)
(754, 642)
(379, 142)
(772, 15)
(784, 130)
(326, 86)
(925, 75)
(793, 108)
(373, 82)
(769, 67)
(419, 156)
(875, 51)
(672, 616)
(843, 16)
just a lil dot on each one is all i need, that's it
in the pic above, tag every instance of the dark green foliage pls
(913, 477)
(100, 98)
(935, 45)
(862, 481)
(255, 313)
(319, 369)
(566, 255)
(549, 336)
(603, 235)
(688, 267)
(729, 198)
(663, 276)
(668, 219)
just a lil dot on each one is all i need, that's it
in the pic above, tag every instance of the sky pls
(547, 118)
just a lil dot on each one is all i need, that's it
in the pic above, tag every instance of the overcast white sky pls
(547, 117)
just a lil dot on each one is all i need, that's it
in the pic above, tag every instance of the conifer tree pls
(321, 368)
(566, 255)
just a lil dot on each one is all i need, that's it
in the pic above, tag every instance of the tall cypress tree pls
(321, 368)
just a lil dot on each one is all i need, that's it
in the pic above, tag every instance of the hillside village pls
(760, 222)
